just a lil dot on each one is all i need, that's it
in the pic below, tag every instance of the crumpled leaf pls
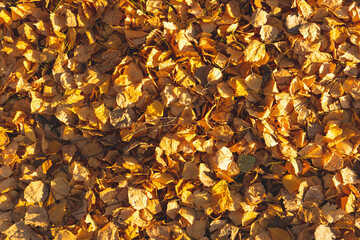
(137, 198)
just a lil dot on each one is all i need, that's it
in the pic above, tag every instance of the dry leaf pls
(291, 183)
(36, 216)
(133, 127)
(19, 231)
(137, 198)
(259, 18)
(215, 76)
(65, 234)
(188, 214)
(206, 176)
(255, 52)
(221, 198)
(279, 233)
(324, 232)
(190, 171)
(268, 33)
(36, 192)
(223, 158)
(60, 188)
(254, 81)
(255, 193)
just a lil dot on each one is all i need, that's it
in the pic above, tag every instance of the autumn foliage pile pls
(179, 119)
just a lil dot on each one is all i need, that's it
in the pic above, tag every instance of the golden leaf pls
(29, 132)
(291, 183)
(102, 113)
(154, 111)
(239, 87)
(221, 198)
(255, 52)
(4, 139)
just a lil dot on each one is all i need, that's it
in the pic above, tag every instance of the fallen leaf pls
(65, 234)
(221, 198)
(137, 198)
(259, 18)
(36, 192)
(60, 188)
(254, 81)
(291, 183)
(19, 231)
(255, 52)
(223, 158)
(245, 163)
(36, 216)
(324, 232)
(279, 233)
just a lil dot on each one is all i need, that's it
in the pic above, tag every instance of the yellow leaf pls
(291, 183)
(239, 87)
(169, 144)
(102, 113)
(332, 131)
(255, 51)
(188, 214)
(74, 98)
(29, 132)
(131, 232)
(22, 45)
(65, 234)
(221, 197)
(248, 218)
(60, 34)
(104, 88)
(34, 56)
(154, 111)
(4, 139)
(5, 17)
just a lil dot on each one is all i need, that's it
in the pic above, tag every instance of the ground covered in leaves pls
(179, 119)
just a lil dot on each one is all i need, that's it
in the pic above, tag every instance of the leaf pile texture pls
(179, 119)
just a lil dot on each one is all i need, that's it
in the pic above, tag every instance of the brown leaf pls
(60, 188)
(19, 231)
(36, 216)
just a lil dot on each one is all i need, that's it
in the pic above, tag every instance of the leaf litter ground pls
(179, 119)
